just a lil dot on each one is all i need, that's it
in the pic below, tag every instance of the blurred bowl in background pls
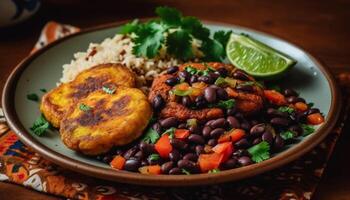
(15, 11)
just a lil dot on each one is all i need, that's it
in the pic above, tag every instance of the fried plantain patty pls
(111, 120)
(55, 103)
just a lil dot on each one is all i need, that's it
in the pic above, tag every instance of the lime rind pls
(256, 58)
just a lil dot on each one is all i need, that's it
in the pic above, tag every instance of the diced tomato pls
(118, 162)
(275, 97)
(182, 86)
(234, 135)
(300, 106)
(163, 146)
(209, 161)
(231, 93)
(315, 119)
(150, 169)
(226, 149)
(182, 133)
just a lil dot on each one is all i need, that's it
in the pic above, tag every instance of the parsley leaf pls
(195, 28)
(310, 105)
(286, 135)
(153, 157)
(307, 129)
(179, 44)
(191, 70)
(108, 90)
(84, 107)
(149, 40)
(214, 171)
(169, 16)
(170, 132)
(222, 37)
(130, 27)
(226, 104)
(260, 152)
(286, 109)
(43, 90)
(185, 172)
(151, 136)
(40, 126)
(213, 50)
(33, 97)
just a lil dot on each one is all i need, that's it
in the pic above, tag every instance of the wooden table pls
(321, 27)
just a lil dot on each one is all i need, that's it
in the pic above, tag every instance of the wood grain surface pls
(321, 27)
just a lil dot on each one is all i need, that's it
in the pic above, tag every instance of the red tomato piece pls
(163, 146)
(233, 136)
(118, 162)
(182, 133)
(226, 149)
(209, 161)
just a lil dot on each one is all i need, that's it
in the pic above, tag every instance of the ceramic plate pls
(43, 69)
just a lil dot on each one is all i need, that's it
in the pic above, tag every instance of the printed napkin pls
(21, 165)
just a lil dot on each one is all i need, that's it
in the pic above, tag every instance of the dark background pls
(321, 27)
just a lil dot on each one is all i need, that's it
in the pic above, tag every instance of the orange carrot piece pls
(118, 162)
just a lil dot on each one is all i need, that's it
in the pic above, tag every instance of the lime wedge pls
(256, 58)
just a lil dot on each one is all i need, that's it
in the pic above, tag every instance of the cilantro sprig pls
(260, 152)
(286, 109)
(175, 33)
(307, 129)
(40, 126)
(33, 97)
(151, 136)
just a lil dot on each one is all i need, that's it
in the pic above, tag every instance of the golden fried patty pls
(55, 103)
(100, 121)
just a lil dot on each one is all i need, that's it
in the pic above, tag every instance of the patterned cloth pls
(20, 165)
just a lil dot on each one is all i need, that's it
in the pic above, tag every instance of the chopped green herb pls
(33, 97)
(307, 129)
(108, 90)
(226, 104)
(40, 126)
(310, 105)
(170, 132)
(185, 172)
(191, 70)
(43, 90)
(214, 171)
(260, 152)
(247, 83)
(286, 135)
(130, 27)
(182, 92)
(154, 157)
(151, 136)
(286, 109)
(226, 81)
(84, 107)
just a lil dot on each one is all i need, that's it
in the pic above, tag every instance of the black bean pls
(296, 129)
(191, 156)
(209, 122)
(193, 79)
(239, 115)
(218, 123)
(130, 153)
(210, 94)
(313, 110)
(200, 101)
(199, 149)
(217, 132)
(175, 171)
(256, 141)
(206, 79)
(231, 111)
(194, 129)
(245, 88)
(222, 71)
(229, 164)
(276, 113)
(289, 92)
(240, 153)
(186, 101)
(169, 122)
(157, 127)
(178, 144)
(244, 161)
(172, 81)
(186, 164)
(158, 102)
(233, 122)
(238, 74)
(166, 167)
(257, 130)
(185, 75)
(278, 121)
(294, 99)
(212, 142)
(197, 139)
(172, 69)
(146, 148)
(214, 86)
(214, 75)
(242, 143)
(278, 143)
(132, 165)
(182, 126)
(206, 131)
(139, 155)
(268, 137)
(174, 155)
(221, 94)
(245, 125)
(254, 122)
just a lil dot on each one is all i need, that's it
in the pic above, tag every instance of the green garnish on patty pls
(84, 107)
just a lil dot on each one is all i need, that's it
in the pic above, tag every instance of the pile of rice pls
(118, 50)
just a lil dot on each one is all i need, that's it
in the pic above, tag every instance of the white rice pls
(119, 50)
